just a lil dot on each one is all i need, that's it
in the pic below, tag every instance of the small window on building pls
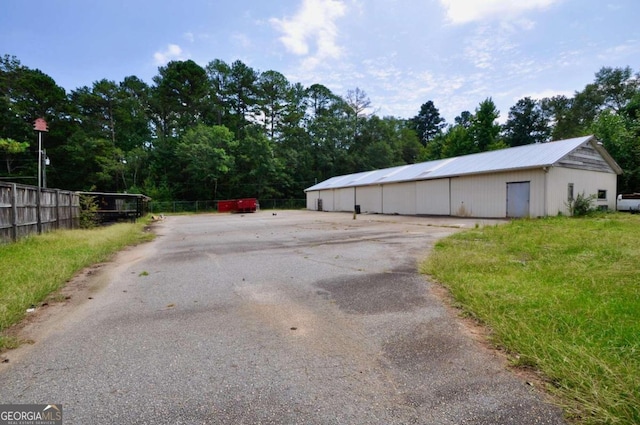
(602, 194)
(570, 192)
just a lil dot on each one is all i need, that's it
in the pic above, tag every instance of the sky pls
(401, 53)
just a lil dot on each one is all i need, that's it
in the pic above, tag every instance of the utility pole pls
(40, 126)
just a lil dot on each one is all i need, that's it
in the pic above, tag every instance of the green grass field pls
(36, 266)
(561, 295)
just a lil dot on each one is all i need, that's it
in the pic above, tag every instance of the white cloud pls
(515, 25)
(538, 95)
(241, 39)
(172, 52)
(488, 46)
(465, 11)
(625, 50)
(189, 37)
(313, 23)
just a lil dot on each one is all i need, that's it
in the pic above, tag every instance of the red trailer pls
(238, 205)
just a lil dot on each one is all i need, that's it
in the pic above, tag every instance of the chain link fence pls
(157, 207)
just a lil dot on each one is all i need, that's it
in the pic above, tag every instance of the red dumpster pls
(246, 205)
(227, 206)
(238, 205)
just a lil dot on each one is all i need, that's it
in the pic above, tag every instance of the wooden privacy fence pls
(21, 214)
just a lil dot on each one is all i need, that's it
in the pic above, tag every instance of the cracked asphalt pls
(295, 318)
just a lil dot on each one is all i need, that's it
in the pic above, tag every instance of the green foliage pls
(527, 124)
(559, 295)
(9, 148)
(92, 162)
(616, 86)
(428, 124)
(261, 170)
(620, 135)
(206, 154)
(484, 129)
(582, 205)
(471, 133)
(557, 109)
(88, 212)
(120, 136)
(179, 98)
(157, 191)
(458, 141)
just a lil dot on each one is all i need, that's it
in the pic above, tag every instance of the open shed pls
(526, 181)
(119, 206)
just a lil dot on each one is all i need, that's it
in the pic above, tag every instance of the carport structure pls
(526, 181)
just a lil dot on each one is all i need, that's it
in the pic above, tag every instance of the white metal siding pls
(476, 196)
(369, 198)
(399, 198)
(327, 199)
(486, 195)
(312, 198)
(343, 199)
(432, 197)
(587, 182)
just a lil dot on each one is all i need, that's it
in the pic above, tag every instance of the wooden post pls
(14, 212)
(57, 208)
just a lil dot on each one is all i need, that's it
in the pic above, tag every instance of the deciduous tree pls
(205, 154)
(9, 148)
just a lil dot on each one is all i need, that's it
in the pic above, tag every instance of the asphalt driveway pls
(293, 317)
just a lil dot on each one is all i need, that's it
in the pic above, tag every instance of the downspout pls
(449, 196)
(355, 202)
(546, 182)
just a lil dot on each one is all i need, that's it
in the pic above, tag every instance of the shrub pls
(88, 212)
(582, 205)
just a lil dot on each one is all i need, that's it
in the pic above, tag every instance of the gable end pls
(586, 157)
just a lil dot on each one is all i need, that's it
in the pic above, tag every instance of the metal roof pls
(116, 195)
(522, 157)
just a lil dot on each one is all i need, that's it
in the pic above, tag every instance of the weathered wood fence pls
(21, 214)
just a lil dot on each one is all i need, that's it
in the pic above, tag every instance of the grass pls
(36, 266)
(562, 296)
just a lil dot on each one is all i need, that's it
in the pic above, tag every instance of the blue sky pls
(402, 53)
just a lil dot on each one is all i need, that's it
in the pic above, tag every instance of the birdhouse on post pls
(40, 125)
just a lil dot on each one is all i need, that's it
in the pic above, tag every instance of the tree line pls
(227, 130)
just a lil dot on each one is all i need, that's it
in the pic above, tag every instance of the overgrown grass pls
(36, 266)
(562, 295)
